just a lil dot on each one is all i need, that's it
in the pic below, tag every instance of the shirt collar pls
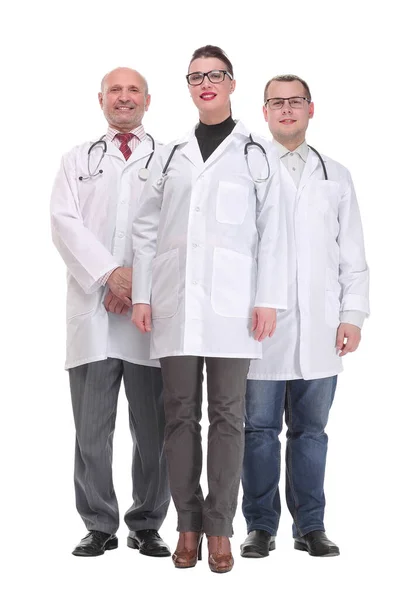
(301, 150)
(138, 132)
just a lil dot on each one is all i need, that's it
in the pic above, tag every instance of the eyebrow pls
(119, 87)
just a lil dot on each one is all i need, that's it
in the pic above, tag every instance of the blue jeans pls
(306, 405)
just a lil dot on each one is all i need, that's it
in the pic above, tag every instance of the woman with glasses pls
(209, 273)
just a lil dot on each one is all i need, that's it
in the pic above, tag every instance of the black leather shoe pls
(316, 544)
(257, 544)
(148, 542)
(95, 543)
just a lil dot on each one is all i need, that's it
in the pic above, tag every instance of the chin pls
(210, 105)
(123, 122)
(288, 133)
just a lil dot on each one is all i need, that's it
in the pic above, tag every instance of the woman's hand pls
(263, 322)
(141, 317)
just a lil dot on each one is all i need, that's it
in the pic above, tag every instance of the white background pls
(53, 58)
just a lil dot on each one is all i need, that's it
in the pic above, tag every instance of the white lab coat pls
(91, 226)
(327, 274)
(197, 238)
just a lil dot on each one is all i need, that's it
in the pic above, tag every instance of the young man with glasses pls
(327, 303)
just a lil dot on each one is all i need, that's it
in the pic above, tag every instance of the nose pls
(124, 95)
(286, 108)
(206, 83)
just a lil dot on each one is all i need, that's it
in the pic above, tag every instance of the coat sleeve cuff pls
(353, 317)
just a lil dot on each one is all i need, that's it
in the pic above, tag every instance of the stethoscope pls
(321, 160)
(253, 143)
(249, 144)
(246, 154)
(143, 172)
(246, 151)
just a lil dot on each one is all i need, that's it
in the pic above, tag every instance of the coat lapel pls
(238, 134)
(142, 150)
(190, 149)
(309, 168)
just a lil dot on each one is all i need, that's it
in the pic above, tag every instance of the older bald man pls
(94, 200)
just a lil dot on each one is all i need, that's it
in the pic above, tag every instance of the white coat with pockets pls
(327, 273)
(91, 227)
(208, 248)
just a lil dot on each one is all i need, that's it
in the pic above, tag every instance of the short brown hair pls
(212, 52)
(288, 78)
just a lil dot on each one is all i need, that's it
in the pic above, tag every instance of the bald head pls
(124, 98)
(120, 71)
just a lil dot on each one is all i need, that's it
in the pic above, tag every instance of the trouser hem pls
(220, 527)
(190, 522)
(144, 524)
(102, 528)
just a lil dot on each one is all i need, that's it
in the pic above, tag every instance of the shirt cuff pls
(103, 280)
(353, 317)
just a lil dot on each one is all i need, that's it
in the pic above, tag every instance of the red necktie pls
(125, 138)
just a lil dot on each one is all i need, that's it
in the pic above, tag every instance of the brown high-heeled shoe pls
(185, 557)
(220, 559)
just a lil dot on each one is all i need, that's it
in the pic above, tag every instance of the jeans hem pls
(269, 530)
(305, 530)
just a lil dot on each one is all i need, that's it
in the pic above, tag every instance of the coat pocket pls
(232, 203)
(233, 283)
(324, 196)
(165, 285)
(79, 303)
(332, 298)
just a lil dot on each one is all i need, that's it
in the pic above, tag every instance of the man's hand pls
(263, 323)
(141, 317)
(115, 305)
(120, 283)
(352, 335)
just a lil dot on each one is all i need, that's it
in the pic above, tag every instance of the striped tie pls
(125, 138)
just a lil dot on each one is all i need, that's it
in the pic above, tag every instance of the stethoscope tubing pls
(321, 160)
(102, 142)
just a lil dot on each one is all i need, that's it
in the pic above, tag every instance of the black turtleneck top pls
(209, 137)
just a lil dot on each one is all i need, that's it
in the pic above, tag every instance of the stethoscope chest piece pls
(144, 174)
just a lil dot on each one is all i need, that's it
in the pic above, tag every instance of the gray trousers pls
(94, 391)
(226, 388)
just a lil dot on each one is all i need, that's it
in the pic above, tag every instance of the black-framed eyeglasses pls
(215, 76)
(294, 102)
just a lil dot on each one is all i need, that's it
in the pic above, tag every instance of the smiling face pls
(124, 99)
(288, 125)
(211, 99)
